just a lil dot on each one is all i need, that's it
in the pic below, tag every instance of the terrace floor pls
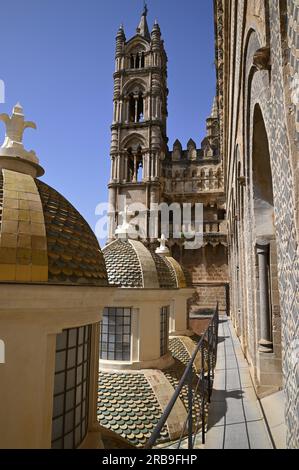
(235, 416)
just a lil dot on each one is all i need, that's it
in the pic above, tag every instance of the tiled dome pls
(130, 264)
(43, 238)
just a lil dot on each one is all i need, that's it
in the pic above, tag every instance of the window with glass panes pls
(116, 334)
(164, 330)
(71, 388)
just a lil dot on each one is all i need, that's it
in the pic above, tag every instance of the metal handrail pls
(207, 344)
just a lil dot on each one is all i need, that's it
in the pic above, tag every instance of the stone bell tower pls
(139, 141)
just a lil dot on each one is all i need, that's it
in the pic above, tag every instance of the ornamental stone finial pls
(163, 249)
(214, 113)
(13, 148)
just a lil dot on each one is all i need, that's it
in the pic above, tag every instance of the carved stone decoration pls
(262, 59)
(13, 155)
(192, 153)
(163, 249)
(15, 127)
(177, 151)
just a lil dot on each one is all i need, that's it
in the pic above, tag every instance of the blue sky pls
(57, 59)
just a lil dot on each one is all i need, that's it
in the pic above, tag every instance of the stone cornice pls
(219, 6)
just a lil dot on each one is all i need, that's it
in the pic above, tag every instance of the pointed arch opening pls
(136, 107)
(134, 160)
(263, 209)
(137, 58)
(262, 178)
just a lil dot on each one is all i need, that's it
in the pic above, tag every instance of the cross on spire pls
(142, 29)
(145, 8)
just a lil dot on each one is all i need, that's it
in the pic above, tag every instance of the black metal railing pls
(200, 386)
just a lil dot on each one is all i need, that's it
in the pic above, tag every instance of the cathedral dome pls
(130, 264)
(43, 238)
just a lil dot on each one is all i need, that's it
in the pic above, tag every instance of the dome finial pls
(125, 230)
(12, 152)
(163, 249)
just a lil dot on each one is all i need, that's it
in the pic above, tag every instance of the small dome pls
(130, 264)
(43, 238)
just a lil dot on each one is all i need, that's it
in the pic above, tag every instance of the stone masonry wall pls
(249, 27)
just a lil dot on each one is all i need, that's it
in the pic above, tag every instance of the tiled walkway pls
(235, 417)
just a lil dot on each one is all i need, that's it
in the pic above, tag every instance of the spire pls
(156, 27)
(13, 155)
(121, 32)
(120, 41)
(156, 36)
(214, 113)
(143, 26)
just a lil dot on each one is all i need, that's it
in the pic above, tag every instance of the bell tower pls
(139, 139)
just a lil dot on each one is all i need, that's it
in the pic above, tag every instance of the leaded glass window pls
(71, 388)
(116, 334)
(164, 330)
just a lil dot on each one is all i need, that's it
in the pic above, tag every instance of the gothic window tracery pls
(135, 165)
(137, 60)
(136, 107)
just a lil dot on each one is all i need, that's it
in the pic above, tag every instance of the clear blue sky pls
(57, 59)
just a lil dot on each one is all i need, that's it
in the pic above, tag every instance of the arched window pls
(132, 61)
(135, 164)
(136, 107)
(140, 109)
(137, 60)
(131, 108)
(139, 166)
(130, 164)
(142, 60)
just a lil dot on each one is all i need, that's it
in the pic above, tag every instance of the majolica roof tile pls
(42, 236)
(130, 264)
(166, 274)
(128, 406)
(73, 250)
(123, 267)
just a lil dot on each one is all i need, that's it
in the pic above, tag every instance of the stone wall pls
(209, 264)
(207, 296)
(208, 273)
(256, 55)
(293, 32)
